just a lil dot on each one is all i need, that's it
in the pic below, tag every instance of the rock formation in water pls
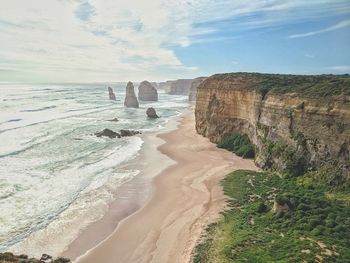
(112, 134)
(151, 113)
(130, 97)
(180, 87)
(165, 85)
(108, 133)
(193, 90)
(292, 120)
(111, 94)
(126, 133)
(147, 92)
(114, 120)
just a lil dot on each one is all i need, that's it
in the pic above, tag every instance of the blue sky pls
(119, 40)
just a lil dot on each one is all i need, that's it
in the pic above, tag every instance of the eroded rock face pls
(111, 94)
(130, 97)
(151, 113)
(318, 128)
(193, 90)
(180, 87)
(147, 92)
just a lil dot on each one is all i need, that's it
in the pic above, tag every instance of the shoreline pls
(187, 196)
(130, 196)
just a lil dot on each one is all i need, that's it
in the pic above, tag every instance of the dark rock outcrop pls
(127, 133)
(147, 92)
(130, 97)
(286, 117)
(151, 113)
(8, 257)
(113, 120)
(111, 94)
(108, 133)
(193, 90)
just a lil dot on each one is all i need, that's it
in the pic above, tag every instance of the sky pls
(121, 40)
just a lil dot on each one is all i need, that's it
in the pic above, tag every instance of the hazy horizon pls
(75, 41)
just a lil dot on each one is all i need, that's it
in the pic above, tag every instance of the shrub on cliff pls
(239, 144)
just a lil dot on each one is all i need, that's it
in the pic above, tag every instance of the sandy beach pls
(187, 196)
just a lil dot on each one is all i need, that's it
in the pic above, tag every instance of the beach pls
(186, 197)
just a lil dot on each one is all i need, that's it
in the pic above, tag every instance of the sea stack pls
(111, 94)
(147, 92)
(130, 97)
(151, 113)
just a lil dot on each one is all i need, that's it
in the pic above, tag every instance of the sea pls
(56, 176)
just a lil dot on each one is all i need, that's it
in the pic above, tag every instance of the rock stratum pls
(193, 90)
(130, 97)
(286, 116)
(147, 92)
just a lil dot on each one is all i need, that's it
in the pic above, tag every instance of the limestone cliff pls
(193, 90)
(130, 97)
(147, 92)
(308, 116)
(180, 87)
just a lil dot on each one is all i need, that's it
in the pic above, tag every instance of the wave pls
(40, 109)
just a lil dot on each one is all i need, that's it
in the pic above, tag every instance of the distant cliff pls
(180, 87)
(193, 90)
(301, 118)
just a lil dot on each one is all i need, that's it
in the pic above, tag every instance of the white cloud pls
(341, 24)
(340, 68)
(115, 40)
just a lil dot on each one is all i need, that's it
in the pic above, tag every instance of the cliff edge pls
(292, 120)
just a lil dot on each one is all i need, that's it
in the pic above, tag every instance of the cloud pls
(116, 40)
(340, 25)
(340, 68)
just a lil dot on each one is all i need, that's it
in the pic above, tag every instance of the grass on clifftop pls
(307, 85)
(315, 229)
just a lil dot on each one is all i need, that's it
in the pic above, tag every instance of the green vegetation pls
(239, 144)
(314, 228)
(307, 85)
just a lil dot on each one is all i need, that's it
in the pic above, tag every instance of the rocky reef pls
(8, 257)
(193, 90)
(111, 94)
(112, 134)
(292, 120)
(147, 92)
(130, 97)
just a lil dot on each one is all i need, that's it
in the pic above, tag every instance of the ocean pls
(53, 170)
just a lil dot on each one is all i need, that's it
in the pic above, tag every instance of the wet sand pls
(187, 196)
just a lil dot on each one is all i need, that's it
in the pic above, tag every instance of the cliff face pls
(147, 92)
(180, 87)
(193, 90)
(316, 128)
